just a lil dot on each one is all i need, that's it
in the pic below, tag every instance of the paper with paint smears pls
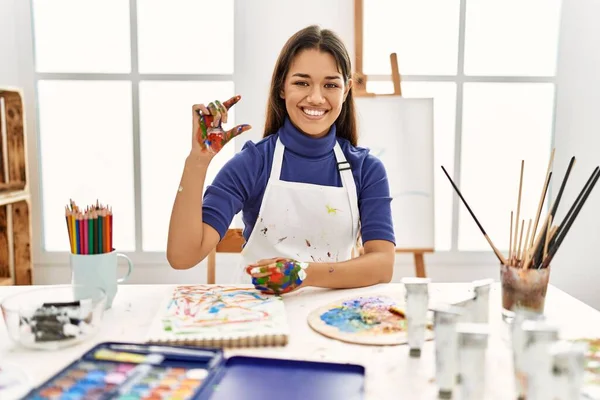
(218, 315)
(363, 320)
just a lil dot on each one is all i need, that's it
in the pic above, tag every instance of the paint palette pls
(92, 380)
(131, 371)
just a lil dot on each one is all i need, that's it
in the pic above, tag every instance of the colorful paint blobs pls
(591, 378)
(92, 381)
(279, 277)
(365, 315)
(206, 308)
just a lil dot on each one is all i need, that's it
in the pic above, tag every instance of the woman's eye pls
(300, 83)
(331, 85)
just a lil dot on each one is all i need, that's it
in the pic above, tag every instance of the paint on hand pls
(366, 315)
(307, 243)
(280, 277)
(212, 137)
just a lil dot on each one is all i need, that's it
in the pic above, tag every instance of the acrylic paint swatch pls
(224, 316)
(591, 378)
(103, 378)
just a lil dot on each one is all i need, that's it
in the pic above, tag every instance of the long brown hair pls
(312, 37)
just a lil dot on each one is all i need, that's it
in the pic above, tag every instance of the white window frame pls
(29, 79)
(454, 255)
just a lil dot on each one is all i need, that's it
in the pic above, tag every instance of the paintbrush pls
(537, 256)
(518, 213)
(567, 223)
(496, 251)
(538, 252)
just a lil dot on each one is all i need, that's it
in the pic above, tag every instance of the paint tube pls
(445, 318)
(518, 345)
(476, 306)
(417, 301)
(481, 300)
(537, 363)
(568, 367)
(472, 347)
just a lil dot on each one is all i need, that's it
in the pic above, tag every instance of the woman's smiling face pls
(314, 92)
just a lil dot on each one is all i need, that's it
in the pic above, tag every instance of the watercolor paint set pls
(134, 371)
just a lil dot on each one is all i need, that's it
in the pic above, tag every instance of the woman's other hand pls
(277, 275)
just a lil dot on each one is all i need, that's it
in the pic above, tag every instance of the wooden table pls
(390, 372)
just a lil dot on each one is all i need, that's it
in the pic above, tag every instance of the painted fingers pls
(209, 135)
(278, 276)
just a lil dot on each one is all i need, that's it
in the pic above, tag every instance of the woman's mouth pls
(313, 113)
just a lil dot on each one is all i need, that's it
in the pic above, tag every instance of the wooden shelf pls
(15, 196)
(6, 282)
(15, 220)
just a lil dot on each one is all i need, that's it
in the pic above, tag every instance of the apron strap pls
(348, 181)
(277, 161)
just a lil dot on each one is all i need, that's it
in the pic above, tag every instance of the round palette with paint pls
(370, 320)
(14, 382)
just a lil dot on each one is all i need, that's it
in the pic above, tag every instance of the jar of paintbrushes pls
(525, 273)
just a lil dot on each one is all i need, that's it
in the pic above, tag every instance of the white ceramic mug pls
(98, 270)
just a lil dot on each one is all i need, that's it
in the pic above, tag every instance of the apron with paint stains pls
(303, 221)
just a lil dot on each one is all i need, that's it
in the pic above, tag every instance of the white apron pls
(303, 221)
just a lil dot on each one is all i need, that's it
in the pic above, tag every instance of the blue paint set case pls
(136, 371)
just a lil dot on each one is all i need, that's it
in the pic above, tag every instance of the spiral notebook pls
(220, 316)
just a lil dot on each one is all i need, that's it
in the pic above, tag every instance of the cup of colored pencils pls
(91, 229)
(525, 272)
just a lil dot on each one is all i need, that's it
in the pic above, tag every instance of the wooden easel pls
(360, 90)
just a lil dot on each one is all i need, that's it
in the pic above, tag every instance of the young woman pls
(306, 191)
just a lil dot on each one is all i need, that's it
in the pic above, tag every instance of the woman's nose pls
(316, 96)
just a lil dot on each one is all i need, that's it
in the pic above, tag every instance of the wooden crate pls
(15, 221)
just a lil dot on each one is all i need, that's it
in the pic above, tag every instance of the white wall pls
(576, 268)
(9, 66)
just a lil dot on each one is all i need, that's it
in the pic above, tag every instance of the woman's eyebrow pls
(307, 76)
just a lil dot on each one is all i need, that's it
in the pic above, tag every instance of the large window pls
(115, 81)
(490, 67)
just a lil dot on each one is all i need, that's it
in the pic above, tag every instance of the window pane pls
(444, 116)
(82, 36)
(512, 37)
(185, 36)
(502, 125)
(86, 154)
(423, 33)
(166, 134)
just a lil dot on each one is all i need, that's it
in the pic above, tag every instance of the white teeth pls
(316, 113)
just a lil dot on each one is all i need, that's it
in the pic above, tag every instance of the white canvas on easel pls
(399, 131)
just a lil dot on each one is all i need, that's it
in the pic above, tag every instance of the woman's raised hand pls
(208, 134)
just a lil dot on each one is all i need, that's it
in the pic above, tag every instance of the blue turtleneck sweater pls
(240, 184)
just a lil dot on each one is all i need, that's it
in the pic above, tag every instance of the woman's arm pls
(375, 266)
(190, 239)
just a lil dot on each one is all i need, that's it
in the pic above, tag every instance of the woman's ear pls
(282, 94)
(348, 87)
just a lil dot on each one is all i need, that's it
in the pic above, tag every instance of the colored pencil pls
(89, 231)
